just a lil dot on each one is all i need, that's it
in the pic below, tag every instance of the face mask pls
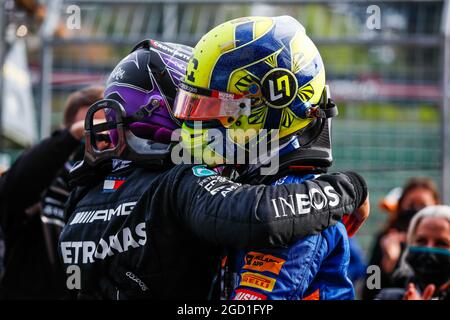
(430, 265)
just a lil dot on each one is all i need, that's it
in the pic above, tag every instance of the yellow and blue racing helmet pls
(251, 73)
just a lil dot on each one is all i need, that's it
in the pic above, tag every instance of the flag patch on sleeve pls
(112, 184)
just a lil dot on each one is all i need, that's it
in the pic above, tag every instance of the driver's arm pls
(227, 213)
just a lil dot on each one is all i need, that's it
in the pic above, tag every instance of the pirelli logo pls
(263, 262)
(257, 281)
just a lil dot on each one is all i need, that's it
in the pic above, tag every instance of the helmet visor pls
(199, 104)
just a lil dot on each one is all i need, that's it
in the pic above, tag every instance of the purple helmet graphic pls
(147, 80)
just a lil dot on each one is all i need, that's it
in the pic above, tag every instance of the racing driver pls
(272, 62)
(140, 227)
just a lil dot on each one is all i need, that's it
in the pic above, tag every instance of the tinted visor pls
(198, 104)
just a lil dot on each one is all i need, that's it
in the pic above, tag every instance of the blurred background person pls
(424, 271)
(389, 244)
(32, 197)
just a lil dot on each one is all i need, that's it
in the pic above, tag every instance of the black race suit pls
(140, 233)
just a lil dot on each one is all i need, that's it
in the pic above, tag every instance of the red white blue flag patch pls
(112, 184)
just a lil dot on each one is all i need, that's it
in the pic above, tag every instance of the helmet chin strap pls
(314, 158)
(253, 171)
(313, 154)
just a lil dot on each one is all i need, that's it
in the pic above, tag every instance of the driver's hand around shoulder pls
(77, 130)
(355, 220)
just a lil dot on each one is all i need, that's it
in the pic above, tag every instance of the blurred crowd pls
(33, 192)
(412, 249)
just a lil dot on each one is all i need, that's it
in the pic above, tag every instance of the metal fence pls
(392, 83)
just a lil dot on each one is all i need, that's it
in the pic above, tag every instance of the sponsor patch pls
(258, 281)
(85, 252)
(263, 262)
(176, 51)
(202, 171)
(112, 184)
(123, 209)
(243, 294)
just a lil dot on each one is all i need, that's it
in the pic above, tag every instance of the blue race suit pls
(313, 268)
